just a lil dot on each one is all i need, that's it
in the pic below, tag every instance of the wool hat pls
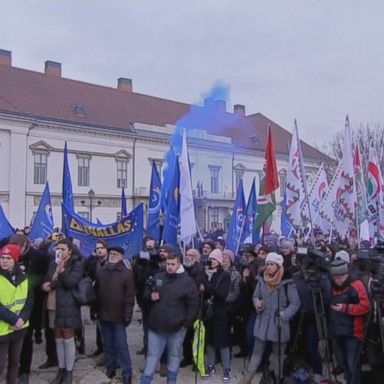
(339, 267)
(216, 254)
(274, 257)
(116, 249)
(12, 250)
(343, 255)
(230, 254)
(167, 248)
(288, 244)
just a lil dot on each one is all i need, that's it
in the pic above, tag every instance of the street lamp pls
(91, 196)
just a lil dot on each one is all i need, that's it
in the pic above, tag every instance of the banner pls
(126, 233)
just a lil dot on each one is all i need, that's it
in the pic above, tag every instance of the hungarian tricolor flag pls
(266, 202)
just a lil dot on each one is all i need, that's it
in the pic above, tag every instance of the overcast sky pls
(311, 60)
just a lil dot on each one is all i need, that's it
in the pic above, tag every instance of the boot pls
(248, 376)
(59, 377)
(68, 377)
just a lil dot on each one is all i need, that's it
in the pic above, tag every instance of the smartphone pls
(57, 256)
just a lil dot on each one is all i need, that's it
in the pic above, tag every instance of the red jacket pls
(349, 322)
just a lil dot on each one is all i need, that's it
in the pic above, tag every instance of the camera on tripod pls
(370, 262)
(315, 262)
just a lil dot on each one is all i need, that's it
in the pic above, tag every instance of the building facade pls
(112, 135)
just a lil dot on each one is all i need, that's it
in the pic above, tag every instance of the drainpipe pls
(133, 171)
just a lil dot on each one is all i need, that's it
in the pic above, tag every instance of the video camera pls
(370, 262)
(315, 262)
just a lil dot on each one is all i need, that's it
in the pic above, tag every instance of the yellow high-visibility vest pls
(13, 298)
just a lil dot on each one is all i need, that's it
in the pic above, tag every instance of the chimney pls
(209, 102)
(239, 109)
(52, 68)
(124, 84)
(5, 57)
(220, 106)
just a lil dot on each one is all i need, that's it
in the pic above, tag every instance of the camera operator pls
(349, 304)
(309, 280)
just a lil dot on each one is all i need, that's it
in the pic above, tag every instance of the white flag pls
(375, 203)
(295, 189)
(187, 209)
(316, 195)
(341, 203)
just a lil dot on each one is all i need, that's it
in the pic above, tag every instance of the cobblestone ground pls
(88, 371)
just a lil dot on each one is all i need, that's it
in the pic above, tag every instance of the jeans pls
(225, 356)
(156, 345)
(115, 347)
(349, 350)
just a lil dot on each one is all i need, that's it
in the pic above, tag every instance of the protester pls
(34, 263)
(16, 303)
(92, 266)
(174, 308)
(116, 298)
(349, 304)
(64, 273)
(276, 301)
(218, 333)
(197, 272)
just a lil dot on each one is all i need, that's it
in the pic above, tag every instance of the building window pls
(214, 216)
(83, 174)
(239, 173)
(122, 166)
(214, 179)
(282, 181)
(40, 168)
(84, 214)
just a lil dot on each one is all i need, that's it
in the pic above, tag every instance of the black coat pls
(67, 311)
(115, 292)
(218, 332)
(178, 302)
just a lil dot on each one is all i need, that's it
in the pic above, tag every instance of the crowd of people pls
(268, 303)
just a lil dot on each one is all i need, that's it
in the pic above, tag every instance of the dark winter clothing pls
(350, 320)
(116, 292)
(218, 332)
(178, 303)
(67, 310)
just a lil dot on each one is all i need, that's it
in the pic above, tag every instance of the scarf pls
(273, 281)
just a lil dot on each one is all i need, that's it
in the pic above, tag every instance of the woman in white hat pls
(276, 301)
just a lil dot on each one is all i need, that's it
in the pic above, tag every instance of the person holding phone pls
(65, 272)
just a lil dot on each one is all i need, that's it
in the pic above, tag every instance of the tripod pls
(315, 293)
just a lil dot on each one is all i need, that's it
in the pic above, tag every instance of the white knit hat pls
(274, 257)
(217, 255)
(343, 255)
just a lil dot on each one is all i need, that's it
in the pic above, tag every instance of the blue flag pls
(154, 207)
(43, 223)
(250, 216)
(67, 194)
(126, 233)
(172, 213)
(5, 228)
(286, 227)
(236, 224)
(123, 203)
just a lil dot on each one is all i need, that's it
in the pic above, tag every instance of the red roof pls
(51, 97)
